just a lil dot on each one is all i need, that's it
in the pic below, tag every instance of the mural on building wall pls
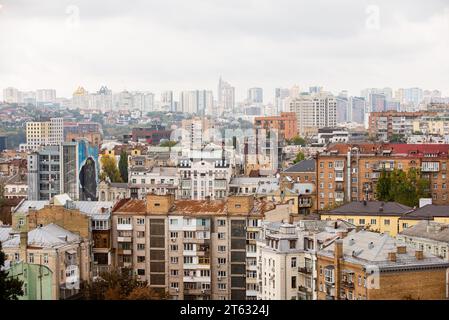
(89, 170)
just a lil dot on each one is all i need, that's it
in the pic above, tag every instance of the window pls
(221, 248)
(45, 258)
(173, 235)
(140, 234)
(31, 258)
(222, 286)
(221, 222)
(174, 260)
(141, 272)
(173, 222)
(373, 221)
(361, 221)
(293, 262)
(122, 220)
(140, 259)
(221, 260)
(222, 273)
(221, 235)
(387, 222)
(174, 285)
(293, 282)
(292, 244)
(140, 221)
(188, 260)
(188, 246)
(141, 246)
(174, 247)
(350, 220)
(174, 272)
(404, 225)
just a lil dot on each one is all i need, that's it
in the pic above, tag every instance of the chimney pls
(23, 245)
(338, 254)
(419, 254)
(392, 256)
(401, 249)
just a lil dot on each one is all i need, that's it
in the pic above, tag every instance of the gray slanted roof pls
(4, 232)
(371, 208)
(428, 212)
(302, 166)
(428, 230)
(372, 248)
(48, 236)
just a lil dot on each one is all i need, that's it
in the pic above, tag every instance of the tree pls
(298, 141)
(109, 169)
(403, 187)
(10, 288)
(383, 187)
(120, 285)
(168, 143)
(123, 166)
(299, 157)
(397, 138)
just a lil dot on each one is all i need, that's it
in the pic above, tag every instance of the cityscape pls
(236, 190)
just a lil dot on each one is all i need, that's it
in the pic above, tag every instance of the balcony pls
(381, 166)
(305, 203)
(339, 178)
(304, 289)
(305, 270)
(124, 239)
(124, 251)
(347, 284)
(124, 227)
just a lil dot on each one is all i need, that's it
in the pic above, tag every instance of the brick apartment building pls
(383, 125)
(349, 172)
(286, 123)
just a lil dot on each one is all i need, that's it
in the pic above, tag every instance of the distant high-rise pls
(45, 96)
(280, 96)
(196, 102)
(315, 89)
(101, 100)
(226, 98)
(314, 111)
(356, 110)
(80, 99)
(255, 95)
(11, 95)
(342, 108)
(167, 102)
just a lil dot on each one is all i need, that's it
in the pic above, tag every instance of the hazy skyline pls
(186, 45)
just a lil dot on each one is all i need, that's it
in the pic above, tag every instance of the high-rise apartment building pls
(71, 167)
(226, 98)
(356, 110)
(80, 99)
(45, 96)
(285, 124)
(314, 111)
(255, 95)
(167, 102)
(190, 249)
(101, 100)
(11, 95)
(198, 102)
(280, 97)
(42, 133)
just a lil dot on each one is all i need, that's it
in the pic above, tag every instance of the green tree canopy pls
(10, 288)
(403, 187)
(298, 141)
(120, 285)
(168, 143)
(109, 169)
(299, 157)
(123, 166)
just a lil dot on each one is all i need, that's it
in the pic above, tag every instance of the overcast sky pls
(187, 44)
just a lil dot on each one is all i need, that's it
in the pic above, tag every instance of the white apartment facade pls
(41, 133)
